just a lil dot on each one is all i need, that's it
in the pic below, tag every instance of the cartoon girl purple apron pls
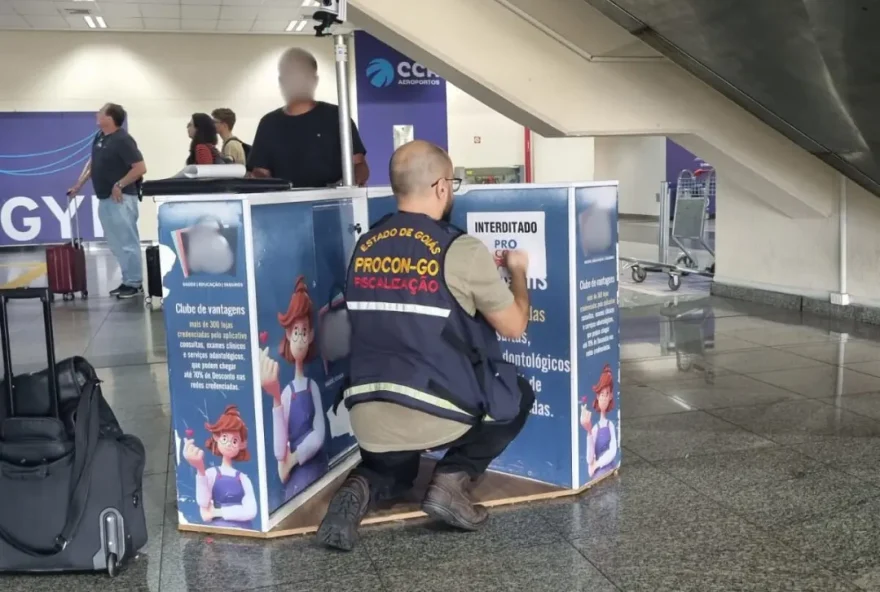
(298, 422)
(225, 495)
(601, 437)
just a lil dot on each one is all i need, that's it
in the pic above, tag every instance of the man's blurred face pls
(298, 81)
(222, 128)
(102, 119)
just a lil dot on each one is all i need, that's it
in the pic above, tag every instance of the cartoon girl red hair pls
(224, 494)
(602, 437)
(298, 410)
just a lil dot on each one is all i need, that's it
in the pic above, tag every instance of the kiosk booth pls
(253, 279)
(255, 317)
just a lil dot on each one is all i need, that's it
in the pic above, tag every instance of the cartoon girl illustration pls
(602, 437)
(224, 494)
(298, 411)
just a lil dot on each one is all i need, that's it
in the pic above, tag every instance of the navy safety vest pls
(411, 342)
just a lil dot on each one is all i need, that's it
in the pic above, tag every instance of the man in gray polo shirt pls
(115, 168)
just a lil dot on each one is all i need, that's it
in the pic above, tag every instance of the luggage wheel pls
(84, 295)
(112, 565)
(112, 541)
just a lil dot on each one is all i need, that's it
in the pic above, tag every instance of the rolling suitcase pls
(66, 264)
(70, 492)
(154, 276)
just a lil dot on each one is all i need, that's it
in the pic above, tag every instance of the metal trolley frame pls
(689, 224)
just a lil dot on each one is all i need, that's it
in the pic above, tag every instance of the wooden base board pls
(493, 490)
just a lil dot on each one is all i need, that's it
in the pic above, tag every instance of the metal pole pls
(843, 255)
(340, 43)
(663, 231)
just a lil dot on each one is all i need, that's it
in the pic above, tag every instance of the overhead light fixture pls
(306, 3)
(296, 26)
(95, 22)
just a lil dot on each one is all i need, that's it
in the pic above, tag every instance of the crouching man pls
(426, 305)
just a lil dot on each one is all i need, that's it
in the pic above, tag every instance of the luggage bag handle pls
(28, 294)
(73, 212)
(85, 440)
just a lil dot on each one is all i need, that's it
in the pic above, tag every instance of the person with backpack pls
(203, 141)
(234, 150)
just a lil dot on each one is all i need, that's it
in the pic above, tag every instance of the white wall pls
(161, 79)
(563, 160)
(158, 78)
(501, 140)
(758, 247)
(502, 143)
(639, 163)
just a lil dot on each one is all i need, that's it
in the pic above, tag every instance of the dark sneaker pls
(448, 500)
(349, 505)
(117, 289)
(126, 292)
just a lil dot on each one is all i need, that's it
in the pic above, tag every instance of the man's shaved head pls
(416, 166)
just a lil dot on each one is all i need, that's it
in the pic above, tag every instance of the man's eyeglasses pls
(456, 183)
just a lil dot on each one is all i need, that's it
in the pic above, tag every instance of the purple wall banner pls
(679, 159)
(394, 92)
(41, 156)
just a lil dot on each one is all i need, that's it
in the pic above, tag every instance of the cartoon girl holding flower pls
(297, 409)
(601, 437)
(224, 494)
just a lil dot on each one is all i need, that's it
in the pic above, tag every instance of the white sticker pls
(341, 53)
(506, 231)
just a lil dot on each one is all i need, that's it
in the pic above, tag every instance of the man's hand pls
(71, 193)
(517, 260)
(116, 194)
(361, 173)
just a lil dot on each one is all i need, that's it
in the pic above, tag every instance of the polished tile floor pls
(751, 463)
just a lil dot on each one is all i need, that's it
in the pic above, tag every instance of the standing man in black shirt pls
(115, 168)
(300, 142)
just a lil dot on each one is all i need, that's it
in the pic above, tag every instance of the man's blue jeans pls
(121, 231)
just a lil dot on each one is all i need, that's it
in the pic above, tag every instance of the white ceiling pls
(224, 16)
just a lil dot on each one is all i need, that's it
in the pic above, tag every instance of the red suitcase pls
(66, 265)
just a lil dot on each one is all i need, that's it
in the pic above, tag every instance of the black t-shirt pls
(112, 158)
(303, 149)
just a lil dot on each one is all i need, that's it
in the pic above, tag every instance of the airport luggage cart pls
(692, 195)
(642, 267)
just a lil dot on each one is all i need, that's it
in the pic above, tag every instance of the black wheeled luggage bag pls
(70, 492)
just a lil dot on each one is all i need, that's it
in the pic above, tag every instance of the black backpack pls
(244, 146)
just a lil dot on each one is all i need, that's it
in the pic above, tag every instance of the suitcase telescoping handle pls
(73, 214)
(41, 294)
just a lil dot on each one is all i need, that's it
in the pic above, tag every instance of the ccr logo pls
(380, 73)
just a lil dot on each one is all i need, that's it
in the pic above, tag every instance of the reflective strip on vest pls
(406, 392)
(431, 311)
